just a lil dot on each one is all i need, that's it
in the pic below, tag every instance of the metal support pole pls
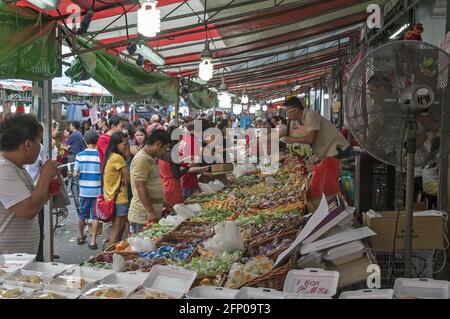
(411, 151)
(47, 120)
(443, 164)
(177, 111)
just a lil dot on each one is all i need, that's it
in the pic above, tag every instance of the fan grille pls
(374, 115)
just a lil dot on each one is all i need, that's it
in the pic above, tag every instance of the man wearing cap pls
(326, 142)
(324, 138)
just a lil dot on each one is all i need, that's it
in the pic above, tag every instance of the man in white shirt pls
(20, 199)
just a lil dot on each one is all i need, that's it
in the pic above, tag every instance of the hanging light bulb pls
(13, 108)
(258, 107)
(264, 107)
(237, 109)
(206, 71)
(206, 67)
(252, 109)
(244, 98)
(149, 18)
(224, 100)
(27, 110)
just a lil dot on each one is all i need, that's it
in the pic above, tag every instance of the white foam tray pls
(26, 291)
(345, 253)
(172, 280)
(66, 294)
(13, 262)
(126, 279)
(259, 293)
(50, 268)
(206, 292)
(10, 280)
(128, 291)
(421, 288)
(368, 294)
(311, 282)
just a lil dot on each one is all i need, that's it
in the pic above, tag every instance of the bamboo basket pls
(275, 278)
(253, 250)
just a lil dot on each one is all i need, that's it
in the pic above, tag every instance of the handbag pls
(104, 210)
(61, 199)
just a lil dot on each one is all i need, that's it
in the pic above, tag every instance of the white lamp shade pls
(244, 99)
(237, 109)
(264, 108)
(258, 107)
(149, 19)
(206, 70)
(224, 100)
(252, 109)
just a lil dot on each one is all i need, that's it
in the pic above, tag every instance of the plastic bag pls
(325, 179)
(183, 211)
(141, 244)
(228, 238)
(171, 221)
(118, 264)
(196, 208)
(207, 189)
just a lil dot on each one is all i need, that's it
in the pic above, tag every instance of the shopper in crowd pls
(148, 196)
(116, 177)
(88, 170)
(190, 155)
(140, 138)
(130, 131)
(102, 125)
(116, 124)
(274, 121)
(245, 121)
(85, 126)
(75, 141)
(145, 122)
(20, 199)
(155, 124)
(137, 123)
(171, 173)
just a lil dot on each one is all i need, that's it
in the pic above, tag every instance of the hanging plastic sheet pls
(28, 45)
(201, 97)
(124, 80)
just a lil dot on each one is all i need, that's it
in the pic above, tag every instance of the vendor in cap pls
(326, 142)
(324, 138)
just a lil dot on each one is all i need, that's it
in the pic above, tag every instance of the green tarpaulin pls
(28, 45)
(124, 80)
(201, 98)
(131, 83)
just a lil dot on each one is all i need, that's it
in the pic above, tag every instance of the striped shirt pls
(17, 235)
(87, 163)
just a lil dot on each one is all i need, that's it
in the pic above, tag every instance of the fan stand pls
(411, 153)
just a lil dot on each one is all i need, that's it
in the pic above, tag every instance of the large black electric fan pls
(396, 106)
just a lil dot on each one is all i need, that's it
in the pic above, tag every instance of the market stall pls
(251, 238)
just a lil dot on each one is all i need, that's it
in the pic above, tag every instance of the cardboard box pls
(225, 167)
(352, 272)
(428, 230)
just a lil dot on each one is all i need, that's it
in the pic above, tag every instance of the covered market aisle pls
(350, 202)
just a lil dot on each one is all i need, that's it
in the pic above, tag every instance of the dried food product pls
(108, 293)
(11, 293)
